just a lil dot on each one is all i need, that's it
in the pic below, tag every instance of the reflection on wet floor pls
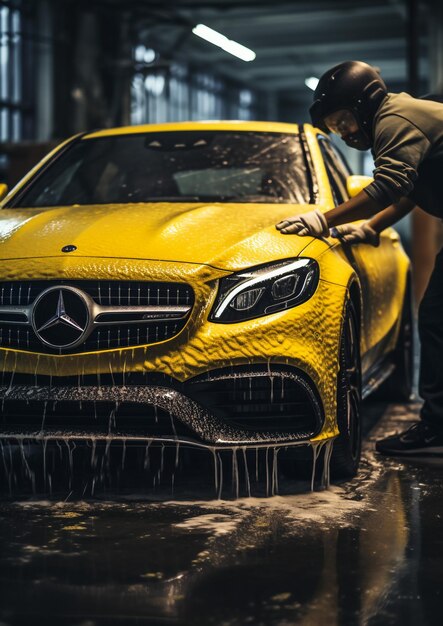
(366, 552)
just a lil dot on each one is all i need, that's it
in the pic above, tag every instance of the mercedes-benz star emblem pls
(61, 317)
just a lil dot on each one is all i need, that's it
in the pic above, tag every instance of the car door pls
(377, 268)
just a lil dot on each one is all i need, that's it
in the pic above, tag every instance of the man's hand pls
(351, 233)
(313, 223)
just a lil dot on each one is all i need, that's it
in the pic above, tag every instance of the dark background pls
(68, 66)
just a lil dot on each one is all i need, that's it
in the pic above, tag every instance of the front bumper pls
(237, 406)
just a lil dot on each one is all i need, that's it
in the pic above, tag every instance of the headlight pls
(265, 289)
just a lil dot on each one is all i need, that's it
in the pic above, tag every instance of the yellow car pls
(146, 294)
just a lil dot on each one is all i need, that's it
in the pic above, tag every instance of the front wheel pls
(347, 447)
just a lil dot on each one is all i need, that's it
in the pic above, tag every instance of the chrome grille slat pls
(122, 298)
(23, 293)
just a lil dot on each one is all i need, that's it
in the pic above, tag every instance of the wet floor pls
(168, 552)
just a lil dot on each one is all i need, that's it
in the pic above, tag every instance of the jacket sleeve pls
(399, 148)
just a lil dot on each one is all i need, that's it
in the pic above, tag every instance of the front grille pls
(121, 337)
(104, 293)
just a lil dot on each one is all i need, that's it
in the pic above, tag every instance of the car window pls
(339, 159)
(335, 169)
(174, 166)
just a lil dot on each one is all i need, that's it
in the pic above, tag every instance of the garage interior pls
(365, 553)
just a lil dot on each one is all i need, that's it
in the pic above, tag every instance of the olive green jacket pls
(408, 152)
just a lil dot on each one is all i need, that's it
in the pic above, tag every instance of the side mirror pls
(355, 184)
(3, 191)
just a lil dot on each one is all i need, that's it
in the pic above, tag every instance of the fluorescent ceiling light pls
(228, 45)
(311, 82)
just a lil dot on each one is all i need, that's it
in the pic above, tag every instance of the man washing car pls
(406, 138)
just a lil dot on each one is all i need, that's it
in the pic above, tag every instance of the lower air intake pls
(258, 399)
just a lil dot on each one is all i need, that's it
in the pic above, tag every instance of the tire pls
(347, 446)
(398, 387)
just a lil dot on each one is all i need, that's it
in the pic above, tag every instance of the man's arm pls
(360, 207)
(400, 146)
(317, 224)
(391, 214)
(369, 232)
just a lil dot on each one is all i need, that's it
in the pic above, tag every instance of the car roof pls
(263, 127)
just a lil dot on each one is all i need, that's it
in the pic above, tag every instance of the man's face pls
(342, 123)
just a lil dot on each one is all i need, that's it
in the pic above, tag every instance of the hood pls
(226, 236)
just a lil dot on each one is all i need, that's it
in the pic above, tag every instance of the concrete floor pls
(368, 552)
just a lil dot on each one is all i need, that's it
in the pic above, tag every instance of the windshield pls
(184, 166)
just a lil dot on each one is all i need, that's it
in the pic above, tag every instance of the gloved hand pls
(351, 233)
(312, 223)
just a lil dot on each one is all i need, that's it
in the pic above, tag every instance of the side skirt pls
(376, 375)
